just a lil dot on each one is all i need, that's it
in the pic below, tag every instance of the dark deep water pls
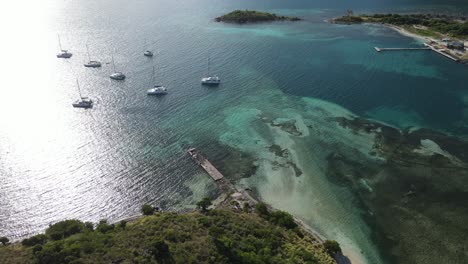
(57, 162)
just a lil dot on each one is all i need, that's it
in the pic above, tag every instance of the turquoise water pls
(57, 162)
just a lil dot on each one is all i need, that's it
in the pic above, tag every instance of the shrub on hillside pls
(204, 204)
(147, 209)
(104, 227)
(4, 240)
(332, 247)
(262, 210)
(283, 219)
(34, 240)
(160, 251)
(65, 229)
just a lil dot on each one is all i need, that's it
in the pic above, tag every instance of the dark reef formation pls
(415, 195)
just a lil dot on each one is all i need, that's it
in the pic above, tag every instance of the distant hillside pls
(218, 236)
(429, 24)
(251, 16)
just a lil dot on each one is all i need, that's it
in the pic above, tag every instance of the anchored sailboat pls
(210, 79)
(157, 89)
(64, 54)
(116, 75)
(83, 102)
(91, 63)
(147, 52)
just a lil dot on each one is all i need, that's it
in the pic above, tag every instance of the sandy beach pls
(405, 32)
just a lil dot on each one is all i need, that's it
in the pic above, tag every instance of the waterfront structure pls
(456, 45)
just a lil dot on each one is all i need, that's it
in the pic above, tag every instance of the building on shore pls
(456, 45)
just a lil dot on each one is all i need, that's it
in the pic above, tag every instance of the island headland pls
(442, 33)
(252, 16)
(242, 235)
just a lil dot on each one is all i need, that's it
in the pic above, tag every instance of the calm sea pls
(57, 162)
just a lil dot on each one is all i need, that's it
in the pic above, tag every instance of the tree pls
(147, 209)
(34, 240)
(204, 204)
(262, 210)
(4, 240)
(65, 229)
(104, 227)
(123, 224)
(89, 226)
(160, 251)
(283, 219)
(332, 247)
(246, 207)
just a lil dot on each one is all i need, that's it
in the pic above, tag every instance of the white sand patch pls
(311, 197)
(429, 148)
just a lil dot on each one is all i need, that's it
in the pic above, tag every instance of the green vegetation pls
(217, 236)
(35, 240)
(250, 16)
(430, 23)
(4, 240)
(349, 20)
(332, 247)
(147, 209)
(204, 204)
(65, 229)
(280, 218)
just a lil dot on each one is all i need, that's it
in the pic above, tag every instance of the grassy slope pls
(221, 236)
(436, 26)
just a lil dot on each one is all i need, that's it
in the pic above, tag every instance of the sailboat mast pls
(152, 77)
(113, 63)
(59, 42)
(87, 50)
(78, 85)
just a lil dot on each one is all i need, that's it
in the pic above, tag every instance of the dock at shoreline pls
(399, 49)
(205, 164)
(426, 47)
(230, 192)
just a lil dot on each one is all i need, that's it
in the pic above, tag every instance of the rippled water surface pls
(58, 162)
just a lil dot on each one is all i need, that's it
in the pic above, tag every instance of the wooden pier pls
(205, 164)
(441, 52)
(230, 193)
(399, 49)
(427, 47)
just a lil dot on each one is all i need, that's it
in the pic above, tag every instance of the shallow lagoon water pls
(57, 162)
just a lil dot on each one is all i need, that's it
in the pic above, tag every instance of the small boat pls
(157, 89)
(213, 80)
(83, 102)
(119, 76)
(91, 63)
(63, 54)
(210, 79)
(148, 53)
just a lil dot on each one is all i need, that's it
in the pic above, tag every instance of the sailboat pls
(91, 63)
(83, 102)
(210, 79)
(147, 53)
(64, 54)
(157, 89)
(116, 75)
